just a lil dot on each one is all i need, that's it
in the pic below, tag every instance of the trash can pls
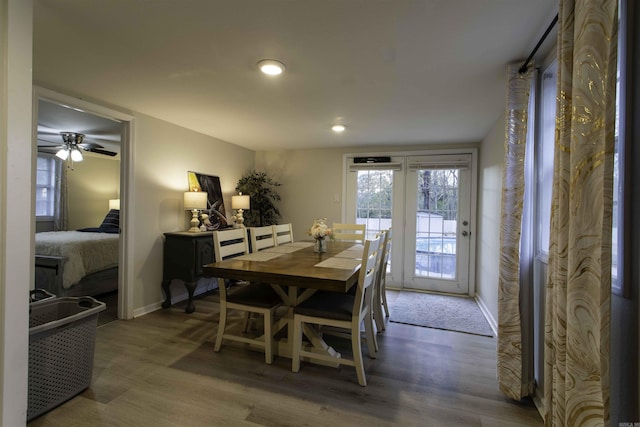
(62, 335)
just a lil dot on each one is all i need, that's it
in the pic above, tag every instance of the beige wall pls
(162, 155)
(489, 202)
(310, 179)
(92, 183)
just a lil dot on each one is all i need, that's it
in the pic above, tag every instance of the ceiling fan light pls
(76, 155)
(63, 154)
(271, 67)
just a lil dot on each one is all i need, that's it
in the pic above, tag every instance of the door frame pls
(399, 224)
(127, 213)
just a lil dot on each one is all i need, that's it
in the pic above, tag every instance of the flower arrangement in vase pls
(320, 231)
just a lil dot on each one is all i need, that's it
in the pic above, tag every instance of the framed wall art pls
(215, 205)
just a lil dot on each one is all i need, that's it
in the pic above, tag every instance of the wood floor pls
(161, 370)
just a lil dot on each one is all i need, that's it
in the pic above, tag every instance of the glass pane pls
(545, 155)
(436, 223)
(617, 196)
(45, 185)
(374, 204)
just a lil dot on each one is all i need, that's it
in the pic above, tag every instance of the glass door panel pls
(437, 214)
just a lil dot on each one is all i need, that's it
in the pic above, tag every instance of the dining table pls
(295, 271)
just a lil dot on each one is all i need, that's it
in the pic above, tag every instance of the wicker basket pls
(61, 346)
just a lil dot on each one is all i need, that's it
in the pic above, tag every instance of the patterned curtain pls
(60, 208)
(578, 293)
(511, 380)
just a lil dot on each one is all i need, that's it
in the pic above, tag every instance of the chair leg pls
(297, 343)
(372, 341)
(377, 314)
(357, 358)
(245, 321)
(383, 291)
(222, 324)
(268, 338)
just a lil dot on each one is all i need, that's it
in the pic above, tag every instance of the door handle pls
(466, 233)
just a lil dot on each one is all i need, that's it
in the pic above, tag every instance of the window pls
(374, 203)
(46, 186)
(544, 157)
(621, 169)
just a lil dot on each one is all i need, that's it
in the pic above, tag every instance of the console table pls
(184, 255)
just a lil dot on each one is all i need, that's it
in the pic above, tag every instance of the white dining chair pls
(283, 233)
(251, 298)
(340, 310)
(352, 232)
(380, 297)
(261, 238)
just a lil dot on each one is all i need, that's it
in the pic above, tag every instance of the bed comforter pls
(86, 252)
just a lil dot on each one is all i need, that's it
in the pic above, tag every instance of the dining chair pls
(351, 232)
(340, 310)
(261, 238)
(380, 297)
(283, 233)
(251, 298)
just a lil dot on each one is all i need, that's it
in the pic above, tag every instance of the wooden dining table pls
(295, 272)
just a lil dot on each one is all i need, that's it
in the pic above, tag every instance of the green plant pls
(262, 190)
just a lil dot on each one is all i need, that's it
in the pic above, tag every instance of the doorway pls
(125, 125)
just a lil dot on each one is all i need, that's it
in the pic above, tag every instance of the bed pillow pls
(111, 221)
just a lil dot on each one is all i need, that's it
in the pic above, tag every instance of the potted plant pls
(262, 190)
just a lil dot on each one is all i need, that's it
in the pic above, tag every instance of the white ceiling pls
(393, 71)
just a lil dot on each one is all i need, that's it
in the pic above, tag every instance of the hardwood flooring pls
(161, 370)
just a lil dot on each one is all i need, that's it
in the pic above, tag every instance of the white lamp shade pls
(76, 155)
(63, 154)
(195, 200)
(114, 204)
(240, 202)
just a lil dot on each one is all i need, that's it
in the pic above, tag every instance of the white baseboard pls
(487, 314)
(178, 294)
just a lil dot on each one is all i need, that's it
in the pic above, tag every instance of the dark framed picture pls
(215, 205)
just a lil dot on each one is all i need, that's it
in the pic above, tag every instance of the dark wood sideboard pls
(184, 254)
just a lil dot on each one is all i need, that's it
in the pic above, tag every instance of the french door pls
(438, 217)
(427, 201)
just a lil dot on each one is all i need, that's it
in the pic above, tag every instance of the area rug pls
(452, 313)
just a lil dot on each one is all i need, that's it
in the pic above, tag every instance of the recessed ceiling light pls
(338, 128)
(271, 67)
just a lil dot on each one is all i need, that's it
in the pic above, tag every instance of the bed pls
(79, 262)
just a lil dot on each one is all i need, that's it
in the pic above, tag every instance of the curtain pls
(60, 204)
(512, 379)
(578, 292)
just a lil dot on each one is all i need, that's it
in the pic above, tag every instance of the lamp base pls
(239, 219)
(195, 222)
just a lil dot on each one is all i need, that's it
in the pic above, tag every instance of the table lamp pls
(240, 203)
(195, 201)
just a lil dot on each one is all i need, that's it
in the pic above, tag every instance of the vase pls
(320, 246)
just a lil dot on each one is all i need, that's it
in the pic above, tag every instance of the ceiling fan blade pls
(45, 130)
(90, 145)
(100, 151)
(48, 148)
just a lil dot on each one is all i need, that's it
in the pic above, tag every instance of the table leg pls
(167, 293)
(191, 288)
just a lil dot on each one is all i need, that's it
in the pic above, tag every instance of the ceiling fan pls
(73, 142)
